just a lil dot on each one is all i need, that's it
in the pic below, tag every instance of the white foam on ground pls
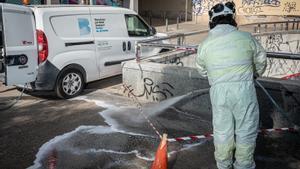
(109, 108)
(135, 152)
(46, 148)
(50, 145)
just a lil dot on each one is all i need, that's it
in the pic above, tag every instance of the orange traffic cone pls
(161, 156)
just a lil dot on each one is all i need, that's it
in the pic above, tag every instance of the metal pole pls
(167, 25)
(186, 10)
(266, 27)
(294, 24)
(137, 52)
(179, 40)
(177, 27)
(150, 18)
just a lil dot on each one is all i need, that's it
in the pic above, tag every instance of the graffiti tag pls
(151, 90)
(290, 7)
(255, 3)
(203, 6)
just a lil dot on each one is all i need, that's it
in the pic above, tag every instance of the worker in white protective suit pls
(230, 59)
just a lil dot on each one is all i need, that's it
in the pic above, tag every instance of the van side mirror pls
(153, 30)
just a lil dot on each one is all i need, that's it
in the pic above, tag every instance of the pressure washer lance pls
(279, 109)
(139, 106)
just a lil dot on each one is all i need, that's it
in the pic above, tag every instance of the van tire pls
(70, 83)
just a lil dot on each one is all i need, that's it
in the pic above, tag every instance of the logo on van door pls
(100, 25)
(84, 26)
(24, 42)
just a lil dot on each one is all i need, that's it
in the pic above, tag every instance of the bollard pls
(274, 28)
(286, 26)
(258, 29)
(167, 25)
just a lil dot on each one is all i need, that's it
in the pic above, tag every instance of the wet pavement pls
(104, 129)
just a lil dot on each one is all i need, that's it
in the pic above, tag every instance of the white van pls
(68, 45)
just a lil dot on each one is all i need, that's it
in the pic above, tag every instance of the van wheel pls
(70, 84)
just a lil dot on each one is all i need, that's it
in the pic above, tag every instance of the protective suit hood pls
(222, 29)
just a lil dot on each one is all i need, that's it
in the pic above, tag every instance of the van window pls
(136, 26)
(72, 26)
(109, 25)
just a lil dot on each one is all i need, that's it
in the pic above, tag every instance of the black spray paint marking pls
(175, 61)
(157, 92)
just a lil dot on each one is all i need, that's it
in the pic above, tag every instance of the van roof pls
(102, 8)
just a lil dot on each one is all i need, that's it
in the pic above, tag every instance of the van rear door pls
(18, 44)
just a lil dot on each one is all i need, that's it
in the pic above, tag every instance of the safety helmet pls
(221, 9)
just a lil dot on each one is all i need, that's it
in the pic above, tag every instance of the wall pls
(250, 10)
(165, 8)
(155, 82)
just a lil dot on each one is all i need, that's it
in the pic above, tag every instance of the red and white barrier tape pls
(292, 76)
(208, 136)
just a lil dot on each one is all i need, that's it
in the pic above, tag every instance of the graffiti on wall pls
(252, 7)
(283, 43)
(268, 7)
(201, 7)
(280, 43)
(261, 2)
(290, 7)
(156, 92)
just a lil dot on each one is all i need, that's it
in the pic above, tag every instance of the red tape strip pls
(207, 136)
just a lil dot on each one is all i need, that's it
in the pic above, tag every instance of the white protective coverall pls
(230, 58)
